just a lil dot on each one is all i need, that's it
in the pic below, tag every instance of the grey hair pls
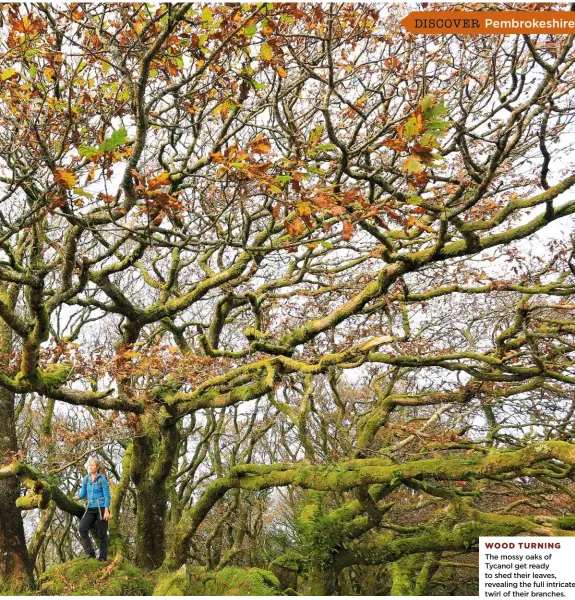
(99, 464)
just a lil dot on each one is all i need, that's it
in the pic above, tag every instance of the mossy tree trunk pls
(321, 582)
(153, 457)
(15, 568)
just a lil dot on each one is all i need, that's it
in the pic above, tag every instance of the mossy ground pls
(231, 581)
(90, 577)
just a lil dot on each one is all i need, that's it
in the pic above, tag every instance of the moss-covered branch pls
(345, 476)
(43, 488)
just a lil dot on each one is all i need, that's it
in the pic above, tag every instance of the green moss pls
(567, 522)
(290, 560)
(231, 581)
(55, 375)
(90, 577)
(286, 568)
(403, 575)
(172, 584)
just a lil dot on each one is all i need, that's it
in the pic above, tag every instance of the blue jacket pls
(97, 491)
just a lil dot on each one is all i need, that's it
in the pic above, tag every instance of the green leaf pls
(81, 192)
(88, 151)
(251, 30)
(207, 15)
(266, 52)
(438, 127)
(117, 138)
(326, 146)
(315, 135)
(427, 102)
(412, 165)
(411, 128)
(437, 110)
(7, 74)
(429, 139)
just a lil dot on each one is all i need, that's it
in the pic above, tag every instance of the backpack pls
(98, 479)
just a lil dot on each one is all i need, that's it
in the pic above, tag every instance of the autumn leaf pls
(418, 210)
(261, 146)
(80, 192)
(266, 52)
(415, 222)
(410, 128)
(304, 209)
(347, 231)
(321, 201)
(423, 154)
(159, 180)
(65, 178)
(412, 165)
(7, 74)
(396, 144)
(299, 226)
(296, 227)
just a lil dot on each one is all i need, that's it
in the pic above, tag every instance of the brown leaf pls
(347, 231)
(396, 144)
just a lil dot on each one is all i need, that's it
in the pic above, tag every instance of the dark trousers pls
(92, 517)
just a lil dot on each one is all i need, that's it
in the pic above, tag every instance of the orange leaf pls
(321, 201)
(161, 179)
(395, 144)
(295, 228)
(261, 146)
(347, 231)
(415, 222)
(65, 178)
(299, 226)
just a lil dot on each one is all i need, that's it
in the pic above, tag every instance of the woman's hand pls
(76, 498)
(107, 514)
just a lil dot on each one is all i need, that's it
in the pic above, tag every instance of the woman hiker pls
(97, 492)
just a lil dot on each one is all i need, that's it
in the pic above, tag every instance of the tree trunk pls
(15, 569)
(320, 582)
(153, 458)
